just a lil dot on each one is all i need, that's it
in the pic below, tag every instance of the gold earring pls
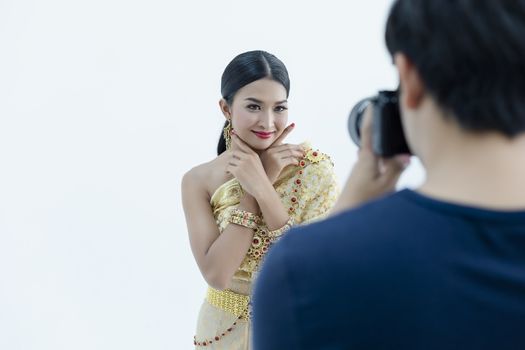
(227, 133)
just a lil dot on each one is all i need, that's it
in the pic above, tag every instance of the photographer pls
(442, 267)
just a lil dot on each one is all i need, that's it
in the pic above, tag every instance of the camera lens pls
(355, 119)
(387, 136)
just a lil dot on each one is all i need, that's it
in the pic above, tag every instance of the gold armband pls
(244, 218)
(275, 234)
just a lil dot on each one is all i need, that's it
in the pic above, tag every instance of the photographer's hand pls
(371, 176)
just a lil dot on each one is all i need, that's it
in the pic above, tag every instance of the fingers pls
(392, 170)
(285, 133)
(367, 158)
(287, 149)
(288, 154)
(230, 169)
(366, 128)
(235, 159)
(293, 153)
(238, 144)
(289, 161)
(236, 155)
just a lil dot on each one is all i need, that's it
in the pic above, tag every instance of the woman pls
(241, 202)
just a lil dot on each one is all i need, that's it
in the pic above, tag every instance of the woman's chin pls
(260, 145)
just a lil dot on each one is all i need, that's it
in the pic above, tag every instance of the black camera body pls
(388, 138)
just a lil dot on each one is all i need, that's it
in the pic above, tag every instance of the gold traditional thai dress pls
(308, 191)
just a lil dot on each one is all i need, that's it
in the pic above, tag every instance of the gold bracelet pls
(244, 218)
(274, 234)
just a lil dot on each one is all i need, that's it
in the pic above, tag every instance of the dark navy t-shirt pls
(403, 272)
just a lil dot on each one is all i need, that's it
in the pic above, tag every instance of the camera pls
(388, 138)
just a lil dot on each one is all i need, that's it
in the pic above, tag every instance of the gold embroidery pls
(228, 301)
(276, 234)
(308, 191)
(315, 156)
(234, 303)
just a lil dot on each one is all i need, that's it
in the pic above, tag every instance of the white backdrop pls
(104, 104)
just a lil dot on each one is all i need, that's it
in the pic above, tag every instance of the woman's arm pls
(247, 167)
(218, 255)
(272, 208)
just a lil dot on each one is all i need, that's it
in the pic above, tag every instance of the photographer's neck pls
(486, 170)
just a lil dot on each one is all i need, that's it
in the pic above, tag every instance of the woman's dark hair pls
(245, 69)
(470, 55)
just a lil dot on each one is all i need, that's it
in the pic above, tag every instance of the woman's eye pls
(253, 107)
(281, 108)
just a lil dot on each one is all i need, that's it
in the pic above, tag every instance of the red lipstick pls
(262, 134)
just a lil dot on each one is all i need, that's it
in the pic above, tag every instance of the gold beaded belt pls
(226, 300)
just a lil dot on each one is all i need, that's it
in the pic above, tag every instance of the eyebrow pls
(261, 102)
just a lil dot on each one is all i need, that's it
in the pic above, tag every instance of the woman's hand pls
(372, 176)
(247, 168)
(278, 156)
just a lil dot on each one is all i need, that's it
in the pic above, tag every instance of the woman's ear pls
(412, 87)
(225, 109)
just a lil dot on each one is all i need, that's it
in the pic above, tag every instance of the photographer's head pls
(463, 60)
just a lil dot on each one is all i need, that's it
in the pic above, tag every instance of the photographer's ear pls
(412, 86)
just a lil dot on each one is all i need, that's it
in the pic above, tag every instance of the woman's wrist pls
(272, 209)
(263, 191)
(249, 203)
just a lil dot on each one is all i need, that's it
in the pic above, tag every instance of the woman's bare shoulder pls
(198, 172)
(203, 177)
(195, 176)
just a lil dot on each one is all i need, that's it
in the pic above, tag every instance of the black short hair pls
(470, 55)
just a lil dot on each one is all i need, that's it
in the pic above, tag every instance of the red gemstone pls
(295, 190)
(302, 163)
(314, 154)
(298, 181)
(217, 338)
(255, 241)
(204, 344)
(294, 199)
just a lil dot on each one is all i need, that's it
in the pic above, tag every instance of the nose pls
(266, 121)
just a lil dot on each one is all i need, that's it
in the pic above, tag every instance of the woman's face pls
(259, 113)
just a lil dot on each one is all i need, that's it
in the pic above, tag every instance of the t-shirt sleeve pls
(274, 321)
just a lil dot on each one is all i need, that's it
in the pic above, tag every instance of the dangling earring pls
(227, 133)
